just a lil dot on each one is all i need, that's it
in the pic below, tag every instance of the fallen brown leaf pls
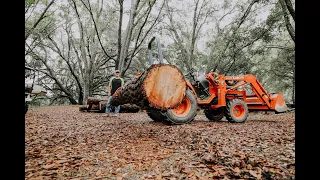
(49, 166)
(253, 173)
(98, 173)
(222, 172)
(190, 174)
(236, 170)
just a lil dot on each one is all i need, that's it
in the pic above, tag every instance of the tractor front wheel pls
(185, 112)
(214, 114)
(236, 111)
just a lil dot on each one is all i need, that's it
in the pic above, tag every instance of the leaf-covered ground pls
(63, 143)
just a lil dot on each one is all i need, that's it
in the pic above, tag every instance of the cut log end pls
(164, 86)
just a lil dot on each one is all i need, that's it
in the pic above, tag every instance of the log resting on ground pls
(99, 105)
(161, 86)
(124, 108)
(96, 101)
(83, 108)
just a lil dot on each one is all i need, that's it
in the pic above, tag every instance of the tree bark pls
(287, 21)
(290, 9)
(193, 37)
(96, 101)
(97, 107)
(162, 86)
(83, 108)
(83, 54)
(293, 86)
(125, 46)
(119, 33)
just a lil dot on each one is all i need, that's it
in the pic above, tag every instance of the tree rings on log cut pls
(164, 86)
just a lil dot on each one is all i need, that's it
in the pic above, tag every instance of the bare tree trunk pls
(193, 37)
(290, 9)
(83, 57)
(86, 90)
(89, 71)
(119, 34)
(293, 86)
(125, 45)
(287, 21)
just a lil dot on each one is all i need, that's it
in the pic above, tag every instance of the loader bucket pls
(278, 103)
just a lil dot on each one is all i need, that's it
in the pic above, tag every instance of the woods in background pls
(77, 44)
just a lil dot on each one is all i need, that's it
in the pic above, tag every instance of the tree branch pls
(39, 20)
(290, 9)
(287, 21)
(95, 27)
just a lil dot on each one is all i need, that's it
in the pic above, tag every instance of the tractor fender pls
(191, 87)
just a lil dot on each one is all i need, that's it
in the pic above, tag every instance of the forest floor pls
(63, 143)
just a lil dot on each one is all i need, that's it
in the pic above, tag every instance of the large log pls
(124, 108)
(96, 101)
(162, 86)
(83, 108)
(99, 105)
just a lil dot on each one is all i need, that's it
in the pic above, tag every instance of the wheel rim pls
(238, 111)
(183, 109)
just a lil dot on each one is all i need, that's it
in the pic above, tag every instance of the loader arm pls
(258, 89)
(261, 99)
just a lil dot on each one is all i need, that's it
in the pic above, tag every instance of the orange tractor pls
(220, 96)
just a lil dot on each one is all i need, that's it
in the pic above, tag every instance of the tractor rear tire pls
(185, 112)
(214, 115)
(155, 115)
(236, 111)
